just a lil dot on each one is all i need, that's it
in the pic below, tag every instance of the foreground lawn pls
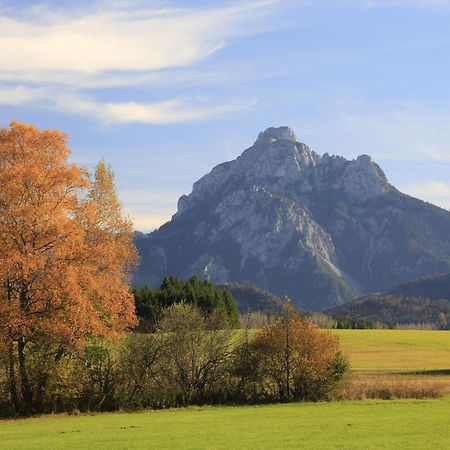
(349, 425)
(396, 350)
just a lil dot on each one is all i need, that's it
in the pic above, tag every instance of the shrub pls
(142, 377)
(197, 350)
(289, 360)
(191, 358)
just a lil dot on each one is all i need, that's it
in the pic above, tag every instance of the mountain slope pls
(395, 310)
(250, 298)
(434, 287)
(321, 229)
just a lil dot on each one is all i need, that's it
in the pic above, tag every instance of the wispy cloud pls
(170, 111)
(433, 191)
(428, 4)
(61, 47)
(54, 57)
(406, 131)
(174, 110)
(149, 210)
(17, 95)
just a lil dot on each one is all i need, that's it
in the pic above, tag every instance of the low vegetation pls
(369, 424)
(392, 351)
(192, 357)
(389, 387)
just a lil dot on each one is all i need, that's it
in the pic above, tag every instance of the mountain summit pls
(321, 229)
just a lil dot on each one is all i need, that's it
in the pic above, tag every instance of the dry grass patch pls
(388, 387)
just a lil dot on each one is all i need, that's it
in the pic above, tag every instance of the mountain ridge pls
(321, 229)
(422, 301)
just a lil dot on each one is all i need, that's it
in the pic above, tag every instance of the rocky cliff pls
(321, 229)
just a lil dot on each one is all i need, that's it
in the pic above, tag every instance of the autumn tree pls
(290, 359)
(65, 254)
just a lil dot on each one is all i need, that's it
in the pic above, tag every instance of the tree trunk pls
(288, 360)
(12, 379)
(11, 365)
(24, 380)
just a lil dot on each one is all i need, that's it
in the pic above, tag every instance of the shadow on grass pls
(430, 372)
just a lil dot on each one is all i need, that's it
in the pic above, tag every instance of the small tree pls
(291, 360)
(142, 374)
(196, 353)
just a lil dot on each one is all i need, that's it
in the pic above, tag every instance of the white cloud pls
(145, 222)
(51, 47)
(433, 191)
(49, 59)
(169, 111)
(17, 95)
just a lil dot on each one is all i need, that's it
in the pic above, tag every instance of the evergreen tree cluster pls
(150, 303)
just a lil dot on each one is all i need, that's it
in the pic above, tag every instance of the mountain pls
(435, 287)
(252, 298)
(426, 300)
(393, 310)
(321, 229)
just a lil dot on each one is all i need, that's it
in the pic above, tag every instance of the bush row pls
(191, 358)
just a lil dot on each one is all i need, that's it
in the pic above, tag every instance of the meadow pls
(349, 424)
(337, 425)
(396, 350)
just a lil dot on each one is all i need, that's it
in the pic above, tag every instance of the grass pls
(383, 356)
(420, 356)
(396, 350)
(350, 425)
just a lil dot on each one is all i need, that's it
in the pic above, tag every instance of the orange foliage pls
(63, 273)
(298, 361)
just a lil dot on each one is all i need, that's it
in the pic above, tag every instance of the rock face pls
(321, 229)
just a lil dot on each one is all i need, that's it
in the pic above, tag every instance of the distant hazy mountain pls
(433, 286)
(426, 300)
(321, 229)
(251, 298)
(393, 310)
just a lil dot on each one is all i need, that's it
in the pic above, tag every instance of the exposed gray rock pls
(321, 229)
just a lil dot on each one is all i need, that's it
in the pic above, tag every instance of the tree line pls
(150, 303)
(67, 313)
(190, 358)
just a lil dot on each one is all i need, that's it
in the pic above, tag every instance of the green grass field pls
(396, 350)
(346, 425)
(367, 424)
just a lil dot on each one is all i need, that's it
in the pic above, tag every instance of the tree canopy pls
(150, 303)
(65, 252)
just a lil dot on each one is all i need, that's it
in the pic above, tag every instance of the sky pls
(165, 90)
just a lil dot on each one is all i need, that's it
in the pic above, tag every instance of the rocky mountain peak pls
(278, 161)
(273, 161)
(273, 134)
(321, 229)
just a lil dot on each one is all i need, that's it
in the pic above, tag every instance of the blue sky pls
(165, 90)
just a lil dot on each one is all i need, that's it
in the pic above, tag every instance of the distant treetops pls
(150, 303)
